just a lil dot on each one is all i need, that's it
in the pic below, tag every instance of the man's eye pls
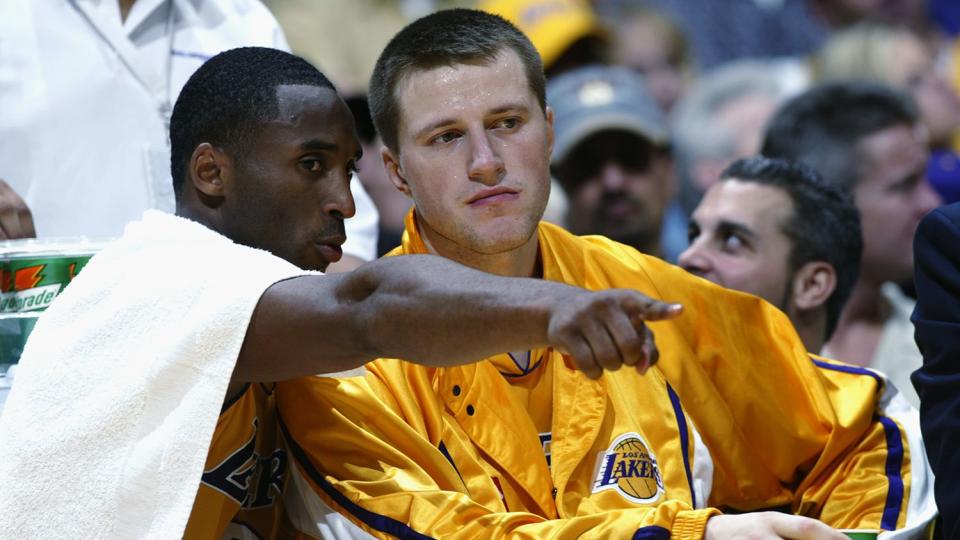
(508, 123)
(733, 243)
(907, 185)
(692, 234)
(445, 137)
(311, 165)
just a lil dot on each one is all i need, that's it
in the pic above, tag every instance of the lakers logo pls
(629, 467)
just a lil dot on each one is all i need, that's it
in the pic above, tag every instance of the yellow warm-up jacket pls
(736, 416)
(241, 489)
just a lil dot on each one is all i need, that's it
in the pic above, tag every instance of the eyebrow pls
(318, 145)
(518, 106)
(510, 107)
(434, 126)
(727, 226)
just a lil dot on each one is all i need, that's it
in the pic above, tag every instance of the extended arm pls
(436, 312)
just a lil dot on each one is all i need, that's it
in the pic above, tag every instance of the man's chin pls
(311, 263)
(496, 240)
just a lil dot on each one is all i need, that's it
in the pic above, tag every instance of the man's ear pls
(391, 163)
(209, 168)
(813, 284)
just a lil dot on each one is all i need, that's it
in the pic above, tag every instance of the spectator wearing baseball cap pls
(611, 155)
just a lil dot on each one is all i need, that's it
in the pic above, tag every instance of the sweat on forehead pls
(290, 100)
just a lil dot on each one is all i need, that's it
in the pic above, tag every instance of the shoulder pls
(619, 263)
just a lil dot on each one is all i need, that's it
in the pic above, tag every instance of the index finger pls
(647, 309)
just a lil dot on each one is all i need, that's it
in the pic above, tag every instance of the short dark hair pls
(446, 38)
(824, 226)
(823, 126)
(228, 98)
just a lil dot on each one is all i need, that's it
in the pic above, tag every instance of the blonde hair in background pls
(860, 52)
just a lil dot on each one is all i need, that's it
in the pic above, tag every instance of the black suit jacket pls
(936, 320)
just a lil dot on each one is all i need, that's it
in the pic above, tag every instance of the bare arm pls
(436, 312)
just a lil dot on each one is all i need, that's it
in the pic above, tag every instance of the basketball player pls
(734, 416)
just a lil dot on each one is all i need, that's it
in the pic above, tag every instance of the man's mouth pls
(493, 195)
(330, 248)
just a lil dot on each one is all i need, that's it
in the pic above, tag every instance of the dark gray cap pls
(599, 98)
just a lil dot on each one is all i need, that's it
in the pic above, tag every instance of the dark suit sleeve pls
(936, 321)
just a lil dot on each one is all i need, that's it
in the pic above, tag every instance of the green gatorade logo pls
(33, 284)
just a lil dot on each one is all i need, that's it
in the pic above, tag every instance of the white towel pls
(106, 430)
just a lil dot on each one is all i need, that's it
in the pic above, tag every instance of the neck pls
(861, 324)
(523, 261)
(203, 218)
(866, 304)
(811, 326)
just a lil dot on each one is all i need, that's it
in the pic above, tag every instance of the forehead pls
(306, 113)
(427, 95)
(894, 151)
(759, 207)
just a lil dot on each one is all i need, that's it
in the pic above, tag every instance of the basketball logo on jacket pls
(629, 467)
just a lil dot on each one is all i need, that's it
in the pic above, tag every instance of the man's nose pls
(694, 259)
(339, 202)
(486, 165)
(613, 176)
